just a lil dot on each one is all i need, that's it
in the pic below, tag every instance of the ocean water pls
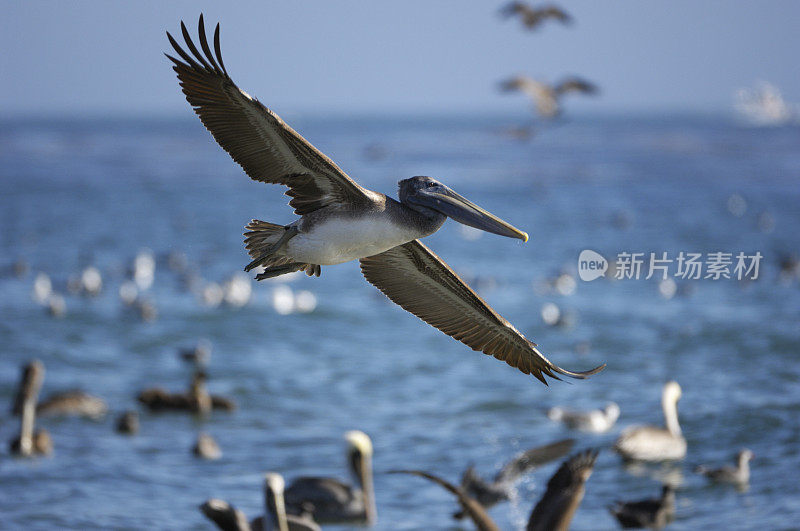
(81, 193)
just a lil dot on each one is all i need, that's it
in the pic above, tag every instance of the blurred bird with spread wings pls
(533, 17)
(342, 221)
(546, 97)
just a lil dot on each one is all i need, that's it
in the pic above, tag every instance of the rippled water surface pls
(74, 194)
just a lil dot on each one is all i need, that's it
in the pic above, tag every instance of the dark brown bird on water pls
(654, 513)
(555, 509)
(196, 400)
(224, 515)
(533, 17)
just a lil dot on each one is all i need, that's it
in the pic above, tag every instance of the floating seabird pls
(128, 423)
(652, 443)
(593, 421)
(533, 17)
(224, 515)
(342, 221)
(196, 400)
(206, 447)
(199, 355)
(738, 475)
(654, 513)
(334, 501)
(489, 494)
(555, 509)
(73, 403)
(275, 518)
(547, 97)
(30, 442)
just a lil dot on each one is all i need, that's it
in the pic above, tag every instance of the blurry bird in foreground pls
(275, 516)
(555, 509)
(489, 494)
(332, 501)
(228, 518)
(654, 513)
(546, 97)
(533, 17)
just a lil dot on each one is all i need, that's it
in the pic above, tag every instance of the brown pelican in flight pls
(544, 96)
(555, 509)
(533, 17)
(498, 490)
(341, 221)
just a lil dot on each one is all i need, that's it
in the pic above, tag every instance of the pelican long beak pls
(459, 208)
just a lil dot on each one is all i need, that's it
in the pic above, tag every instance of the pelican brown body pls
(342, 221)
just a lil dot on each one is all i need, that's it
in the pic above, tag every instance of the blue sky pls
(414, 56)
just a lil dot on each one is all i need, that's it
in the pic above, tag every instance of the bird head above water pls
(744, 456)
(671, 393)
(433, 199)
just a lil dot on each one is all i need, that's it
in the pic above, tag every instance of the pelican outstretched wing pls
(576, 84)
(533, 458)
(264, 146)
(421, 283)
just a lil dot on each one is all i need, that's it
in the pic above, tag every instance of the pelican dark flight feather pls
(341, 221)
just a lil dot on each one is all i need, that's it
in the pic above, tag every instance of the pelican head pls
(359, 451)
(671, 393)
(433, 199)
